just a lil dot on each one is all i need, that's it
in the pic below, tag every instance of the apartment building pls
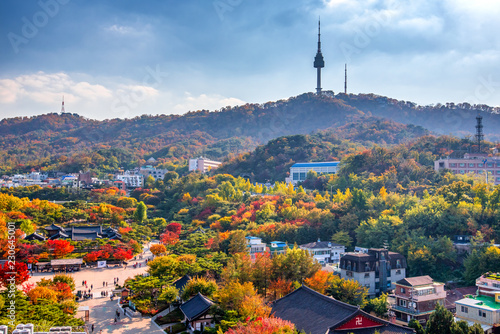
(377, 269)
(203, 164)
(477, 163)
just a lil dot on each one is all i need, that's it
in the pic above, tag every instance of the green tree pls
(27, 227)
(377, 305)
(342, 238)
(440, 321)
(168, 294)
(141, 212)
(417, 326)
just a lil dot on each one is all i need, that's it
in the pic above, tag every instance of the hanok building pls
(377, 269)
(483, 307)
(78, 233)
(35, 236)
(416, 298)
(196, 312)
(324, 251)
(315, 313)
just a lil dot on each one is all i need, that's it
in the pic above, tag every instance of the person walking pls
(115, 320)
(91, 286)
(92, 328)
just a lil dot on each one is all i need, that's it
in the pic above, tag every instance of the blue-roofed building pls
(278, 247)
(255, 246)
(298, 172)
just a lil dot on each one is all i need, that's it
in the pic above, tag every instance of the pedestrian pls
(91, 286)
(83, 283)
(115, 320)
(106, 284)
(92, 328)
(103, 284)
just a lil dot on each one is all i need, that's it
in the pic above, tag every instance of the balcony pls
(408, 310)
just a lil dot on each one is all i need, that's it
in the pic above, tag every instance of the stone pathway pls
(102, 309)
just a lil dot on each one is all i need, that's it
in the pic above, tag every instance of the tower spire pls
(62, 106)
(319, 62)
(345, 80)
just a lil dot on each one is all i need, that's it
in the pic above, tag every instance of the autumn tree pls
(347, 291)
(64, 279)
(264, 326)
(158, 249)
(21, 273)
(206, 287)
(319, 281)
(42, 292)
(59, 247)
(174, 227)
(169, 238)
(168, 294)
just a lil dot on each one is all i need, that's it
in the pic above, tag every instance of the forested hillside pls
(71, 143)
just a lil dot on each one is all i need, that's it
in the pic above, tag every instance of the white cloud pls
(204, 101)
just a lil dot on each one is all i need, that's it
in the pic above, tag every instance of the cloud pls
(204, 101)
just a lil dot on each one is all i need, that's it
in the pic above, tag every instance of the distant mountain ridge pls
(54, 139)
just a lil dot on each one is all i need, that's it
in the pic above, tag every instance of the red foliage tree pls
(18, 271)
(60, 248)
(264, 326)
(122, 254)
(175, 228)
(92, 257)
(169, 238)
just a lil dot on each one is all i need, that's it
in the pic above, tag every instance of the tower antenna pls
(319, 62)
(62, 106)
(479, 131)
(345, 80)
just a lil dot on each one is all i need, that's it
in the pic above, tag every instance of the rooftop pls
(316, 164)
(416, 281)
(480, 301)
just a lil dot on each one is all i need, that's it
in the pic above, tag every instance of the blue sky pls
(127, 58)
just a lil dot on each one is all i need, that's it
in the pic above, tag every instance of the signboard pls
(359, 321)
(101, 264)
(131, 305)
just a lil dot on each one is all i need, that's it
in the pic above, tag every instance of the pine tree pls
(141, 212)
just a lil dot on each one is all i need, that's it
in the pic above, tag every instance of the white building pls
(298, 172)
(156, 173)
(324, 251)
(132, 180)
(484, 307)
(202, 164)
(255, 246)
(478, 164)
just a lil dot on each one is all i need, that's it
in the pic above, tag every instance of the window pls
(398, 272)
(461, 164)
(464, 309)
(480, 165)
(402, 302)
(398, 263)
(453, 165)
(367, 275)
(302, 176)
(482, 313)
(471, 165)
(295, 176)
(489, 164)
(403, 290)
(462, 171)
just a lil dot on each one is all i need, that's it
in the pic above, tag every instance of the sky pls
(121, 59)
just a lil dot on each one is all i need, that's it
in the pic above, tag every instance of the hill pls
(70, 142)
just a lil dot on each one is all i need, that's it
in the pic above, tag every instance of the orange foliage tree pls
(264, 326)
(319, 281)
(158, 249)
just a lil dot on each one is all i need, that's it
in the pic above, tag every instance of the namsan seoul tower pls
(319, 62)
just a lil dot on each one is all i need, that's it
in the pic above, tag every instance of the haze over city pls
(122, 59)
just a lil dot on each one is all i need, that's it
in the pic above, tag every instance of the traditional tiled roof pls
(54, 227)
(59, 235)
(181, 282)
(35, 236)
(316, 313)
(196, 307)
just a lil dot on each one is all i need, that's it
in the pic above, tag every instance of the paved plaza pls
(102, 309)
